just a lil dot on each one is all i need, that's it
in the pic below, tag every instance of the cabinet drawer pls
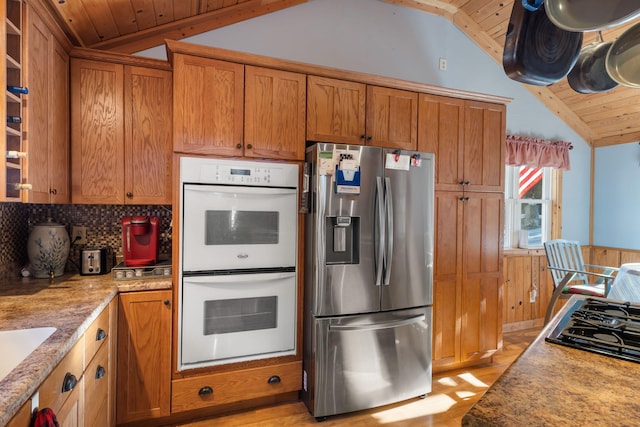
(69, 371)
(96, 390)
(228, 387)
(96, 335)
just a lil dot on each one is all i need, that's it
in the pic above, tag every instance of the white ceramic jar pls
(48, 249)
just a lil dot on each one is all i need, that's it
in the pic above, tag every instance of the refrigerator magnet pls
(396, 161)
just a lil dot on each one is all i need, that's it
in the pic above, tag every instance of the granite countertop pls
(70, 304)
(554, 385)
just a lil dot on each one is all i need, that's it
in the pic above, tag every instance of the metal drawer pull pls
(274, 379)
(100, 371)
(100, 335)
(206, 390)
(69, 382)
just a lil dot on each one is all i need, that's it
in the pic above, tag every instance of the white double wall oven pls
(238, 255)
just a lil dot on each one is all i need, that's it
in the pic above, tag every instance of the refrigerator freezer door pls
(371, 360)
(340, 282)
(409, 259)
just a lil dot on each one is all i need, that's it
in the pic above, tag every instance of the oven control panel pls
(238, 172)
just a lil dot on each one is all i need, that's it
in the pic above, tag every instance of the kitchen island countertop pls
(555, 385)
(69, 303)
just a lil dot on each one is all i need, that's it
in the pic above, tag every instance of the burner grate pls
(601, 326)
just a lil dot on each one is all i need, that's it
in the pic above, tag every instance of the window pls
(527, 206)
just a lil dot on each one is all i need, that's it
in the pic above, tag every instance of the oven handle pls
(238, 278)
(381, 325)
(249, 191)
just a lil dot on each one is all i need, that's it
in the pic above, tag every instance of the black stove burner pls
(601, 326)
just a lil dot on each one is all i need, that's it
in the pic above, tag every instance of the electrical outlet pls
(443, 64)
(79, 235)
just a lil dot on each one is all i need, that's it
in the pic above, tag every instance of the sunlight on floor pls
(472, 380)
(435, 404)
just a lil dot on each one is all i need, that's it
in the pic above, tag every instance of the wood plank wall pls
(527, 284)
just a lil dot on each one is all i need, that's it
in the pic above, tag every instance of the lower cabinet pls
(229, 387)
(467, 295)
(143, 381)
(78, 389)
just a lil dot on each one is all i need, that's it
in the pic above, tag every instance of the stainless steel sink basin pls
(17, 344)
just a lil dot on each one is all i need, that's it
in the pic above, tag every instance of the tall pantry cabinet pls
(468, 139)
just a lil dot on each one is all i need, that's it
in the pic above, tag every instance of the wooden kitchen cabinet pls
(235, 386)
(467, 316)
(120, 133)
(348, 112)
(208, 99)
(392, 118)
(46, 75)
(335, 110)
(22, 418)
(468, 138)
(274, 113)
(144, 356)
(527, 290)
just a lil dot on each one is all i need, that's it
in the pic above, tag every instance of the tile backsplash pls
(102, 222)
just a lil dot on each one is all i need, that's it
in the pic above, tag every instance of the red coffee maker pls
(140, 235)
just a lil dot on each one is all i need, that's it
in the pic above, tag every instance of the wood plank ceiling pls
(132, 25)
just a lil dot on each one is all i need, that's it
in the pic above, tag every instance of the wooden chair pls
(569, 273)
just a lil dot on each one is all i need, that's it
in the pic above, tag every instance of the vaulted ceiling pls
(128, 26)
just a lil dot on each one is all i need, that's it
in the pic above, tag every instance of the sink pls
(17, 344)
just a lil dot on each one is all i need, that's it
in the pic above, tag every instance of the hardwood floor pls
(454, 392)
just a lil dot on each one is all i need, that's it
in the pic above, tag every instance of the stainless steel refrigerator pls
(368, 277)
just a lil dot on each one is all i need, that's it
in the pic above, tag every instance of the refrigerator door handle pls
(381, 231)
(388, 201)
(381, 325)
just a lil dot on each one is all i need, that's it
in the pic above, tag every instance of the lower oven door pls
(235, 318)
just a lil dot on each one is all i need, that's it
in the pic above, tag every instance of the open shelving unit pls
(11, 183)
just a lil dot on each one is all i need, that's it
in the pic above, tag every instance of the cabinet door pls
(96, 386)
(144, 356)
(440, 131)
(208, 106)
(37, 80)
(59, 146)
(97, 132)
(47, 143)
(22, 418)
(481, 303)
(274, 114)
(392, 118)
(71, 413)
(335, 110)
(484, 146)
(447, 278)
(147, 135)
(517, 284)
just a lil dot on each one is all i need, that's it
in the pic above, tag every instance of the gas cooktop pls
(603, 326)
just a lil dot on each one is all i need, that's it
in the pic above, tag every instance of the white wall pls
(379, 38)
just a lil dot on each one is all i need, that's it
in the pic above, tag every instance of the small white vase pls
(48, 249)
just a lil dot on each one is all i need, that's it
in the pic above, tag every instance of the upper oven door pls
(237, 227)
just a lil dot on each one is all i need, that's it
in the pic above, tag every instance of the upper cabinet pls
(120, 133)
(335, 110)
(46, 75)
(228, 109)
(354, 113)
(392, 118)
(208, 106)
(274, 113)
(468, 139)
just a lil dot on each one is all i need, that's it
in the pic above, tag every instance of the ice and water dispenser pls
(342, 240)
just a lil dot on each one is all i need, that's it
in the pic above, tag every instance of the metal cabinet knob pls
(129, 194)
(238, 146)
(100, 371)
(274, 379)
(166, 302)
(205, 391)
(101, 334)
(249, 146)
(53, 191)
(69, 382)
